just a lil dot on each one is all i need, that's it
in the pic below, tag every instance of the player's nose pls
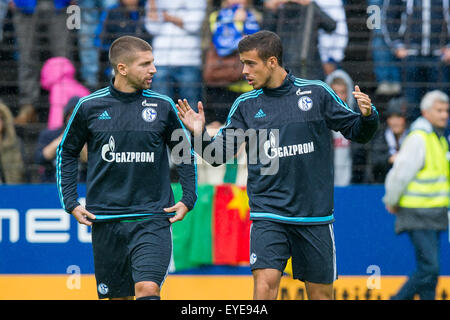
(152, 69)
(245, 70)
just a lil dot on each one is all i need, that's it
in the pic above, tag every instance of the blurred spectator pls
(11, 157)
(58, 78)
(28, 17)
(176, 29)
(386, 64)
(48, 141)
(342, 84)
(447, 131)
(125, 18)
(228, 25)
(332, 45)
(417, 189)
(297, 22)
(387, 142)
(417, 32)
(3, 12)
(361, 172)
(89, 54)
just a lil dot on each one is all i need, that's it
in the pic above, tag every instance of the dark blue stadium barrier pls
(364, 234)
(37, 241)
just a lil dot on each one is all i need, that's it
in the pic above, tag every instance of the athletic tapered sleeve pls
(183, 156)
(352, 124)
(67, 154)
(225, 144)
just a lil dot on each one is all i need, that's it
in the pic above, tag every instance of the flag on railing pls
(216, 231)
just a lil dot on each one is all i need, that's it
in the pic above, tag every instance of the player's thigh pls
(111, 260)
(313, 253)
(151, 250)
(269, 245)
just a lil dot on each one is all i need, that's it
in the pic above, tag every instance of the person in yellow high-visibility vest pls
(417, 192)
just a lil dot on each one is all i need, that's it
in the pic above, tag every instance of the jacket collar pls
(124, 96)
(283, 89)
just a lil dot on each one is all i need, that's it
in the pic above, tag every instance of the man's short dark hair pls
(267, 44)
(122, 49)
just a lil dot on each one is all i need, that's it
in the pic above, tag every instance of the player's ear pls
(122, 69)
(273, 61)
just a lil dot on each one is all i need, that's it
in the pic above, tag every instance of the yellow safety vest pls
(430, 187)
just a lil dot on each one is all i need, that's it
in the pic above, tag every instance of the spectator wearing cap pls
(47, 143)
(387, 142)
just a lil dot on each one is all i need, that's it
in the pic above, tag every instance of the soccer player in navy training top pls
(129, 200)
(286, 123)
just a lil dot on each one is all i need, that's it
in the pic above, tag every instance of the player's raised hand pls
(194, 122)
(82, 215)
(180, 210)
(364, 102)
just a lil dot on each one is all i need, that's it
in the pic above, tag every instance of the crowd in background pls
(49, 62)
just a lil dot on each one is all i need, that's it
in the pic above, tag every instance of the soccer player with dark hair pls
(286, 120)
(129, 200)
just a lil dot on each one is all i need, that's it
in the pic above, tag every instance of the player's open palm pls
(194, 121)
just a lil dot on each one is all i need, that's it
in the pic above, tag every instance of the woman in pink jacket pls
(58, 77)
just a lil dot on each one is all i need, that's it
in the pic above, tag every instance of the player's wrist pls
(199, 131)
(71, 208)
(368, 114)
(186, 204)
(371, 112)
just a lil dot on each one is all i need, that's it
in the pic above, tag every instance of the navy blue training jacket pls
(289, 147)
(127, 136)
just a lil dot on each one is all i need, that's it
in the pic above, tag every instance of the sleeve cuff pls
(373, 115)
(71, 206)
(187, 203)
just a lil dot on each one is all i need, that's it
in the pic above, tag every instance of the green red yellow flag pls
(216, 231)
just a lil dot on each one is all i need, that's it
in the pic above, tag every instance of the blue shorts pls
(127, 252)
(311, 247)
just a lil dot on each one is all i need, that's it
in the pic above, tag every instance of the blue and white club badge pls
(149, 114)
(305, 103)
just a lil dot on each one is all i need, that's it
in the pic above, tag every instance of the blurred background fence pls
(358, 42)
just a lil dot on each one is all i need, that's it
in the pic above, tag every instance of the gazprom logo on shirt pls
(272, 149)
(109, 155)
